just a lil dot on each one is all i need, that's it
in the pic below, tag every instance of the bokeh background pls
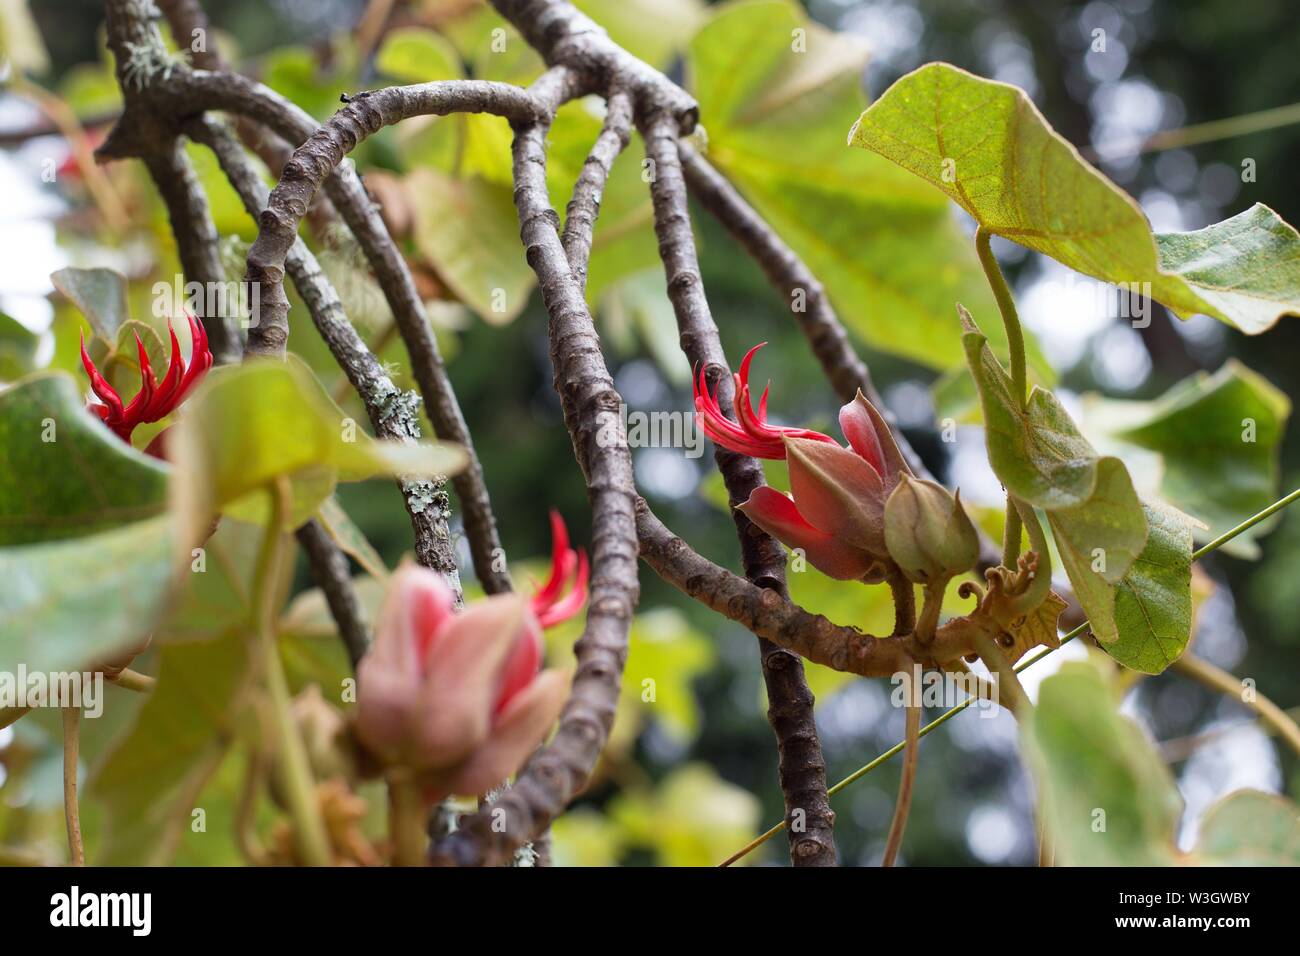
(691, 774)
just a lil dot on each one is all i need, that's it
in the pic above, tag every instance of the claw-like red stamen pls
(155, 400)
(749, 434)
(547, 604)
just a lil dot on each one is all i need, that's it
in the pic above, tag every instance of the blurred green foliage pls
(691, 773)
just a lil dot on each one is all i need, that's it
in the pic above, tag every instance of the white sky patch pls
(992, 833)
(1119, 359)
(665, 472)
(27, 236)
(1064, 310)
(1243, 758)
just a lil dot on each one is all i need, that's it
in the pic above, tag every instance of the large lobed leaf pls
(150, 780)
(84, 546)
(1109, 799)
(886, 246)
(64, 474)
(985, 144)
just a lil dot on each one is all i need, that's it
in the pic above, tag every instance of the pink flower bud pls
(456, 697)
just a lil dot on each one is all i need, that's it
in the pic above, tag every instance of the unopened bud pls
(928, 533)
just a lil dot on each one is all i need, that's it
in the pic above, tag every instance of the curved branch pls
(556, 773)
(191, 90)
(802, 767)
(319, 155)
(392, 413)
(580, 216)
(140, 133)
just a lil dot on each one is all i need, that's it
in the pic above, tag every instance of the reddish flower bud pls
(155, 400)
(457, 697)
(836, 512)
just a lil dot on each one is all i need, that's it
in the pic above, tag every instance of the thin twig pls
(134, 680)
(580, 216)
(292, 768)
(1216, 678)
(71, 811)
(332, 574)
(907, 782)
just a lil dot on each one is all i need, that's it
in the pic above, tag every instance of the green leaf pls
(149, 784)
(122, 365)
(481, 265)
(651, 30)
(216, 586)
(67, 604)
(65, 474)
(1153, 603)
(1246, 268)
(100, 294)
(692, 818)
(351, 539)
(1041, 457)
(988, 148)
(18, 346)
(1129, 563)
(886, 246)
(666, 656)
(248, 426)
(1250, 828)
(417, 55)
(1099, 540)
(1109, 799)
(1219, 438)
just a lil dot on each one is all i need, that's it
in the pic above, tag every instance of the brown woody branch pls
(584, 207)
(802, 768)
(140, 133)
(554, 775)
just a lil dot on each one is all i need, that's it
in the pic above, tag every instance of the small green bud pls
(928, 533)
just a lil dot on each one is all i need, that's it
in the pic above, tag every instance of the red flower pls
(155, 400)
(547, 604)
(753, 435)
(836, 511)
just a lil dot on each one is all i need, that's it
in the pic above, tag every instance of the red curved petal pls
(133, 414)
(749, 434)
(777, 514)
(112, 407)
(164, 399)
(572, 602)
(200, 360)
